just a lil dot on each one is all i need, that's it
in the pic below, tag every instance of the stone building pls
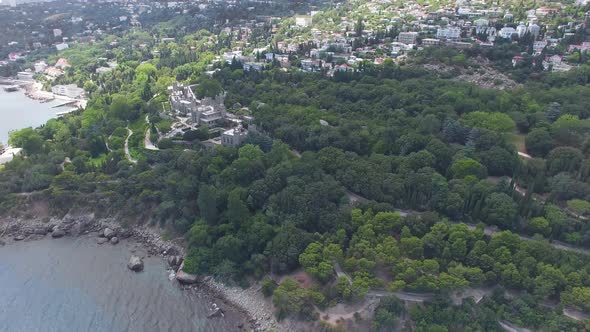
(234, 137)
(208, 110)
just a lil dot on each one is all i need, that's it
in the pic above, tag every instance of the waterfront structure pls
(70, 90)
(25, 76)
(40, 66)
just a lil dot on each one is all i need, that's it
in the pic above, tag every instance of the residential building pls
(542, 11)
(584, 47)
(13, 56)
(539, 46)
(430, 42)
(40, 66)
(555, 63)
(407, 37)
(303, 21)
(253, 66)
(61, 46)
(53, 72)
(450, 33)
(521, 30)
(507, 32)
(534, 29)
(62, 63)
(516, 60)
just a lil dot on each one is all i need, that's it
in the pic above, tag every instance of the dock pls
(11, 88)
(68, 103)
(60, 114)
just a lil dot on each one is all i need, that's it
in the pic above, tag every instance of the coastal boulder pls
(185, 278)
(102, 240)
(114, 240)
(217, 312)
(172, 251)
(108, 233)
(125, 233)
(41, 230)
(172, 261)
(58, 233)
(135, 263)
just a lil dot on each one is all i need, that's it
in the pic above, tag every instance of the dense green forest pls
(401, 138)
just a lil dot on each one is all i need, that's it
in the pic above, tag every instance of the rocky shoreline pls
(249, 302)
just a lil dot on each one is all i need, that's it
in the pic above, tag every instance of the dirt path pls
(127, 154)
(342, 312)
(147, 142)
(524, 155)
(507, 326)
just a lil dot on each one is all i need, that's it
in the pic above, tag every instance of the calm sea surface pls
(74, 284)
(17, 112)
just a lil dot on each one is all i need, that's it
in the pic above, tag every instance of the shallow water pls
(17, 111)
(74, 284)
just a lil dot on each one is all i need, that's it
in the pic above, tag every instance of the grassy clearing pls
(98, 160)
(164, 126)
(518, 141)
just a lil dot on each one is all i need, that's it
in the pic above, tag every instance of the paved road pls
(404, 296)
(488, 230)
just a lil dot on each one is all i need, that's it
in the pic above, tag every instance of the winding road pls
(488, 230)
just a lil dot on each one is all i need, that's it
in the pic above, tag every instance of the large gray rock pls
(108, 233)
(58, 233)
(172, 251)
(135, 263)
(217, 312)
(114, 240)
(41, 230)
(19, 237)
(125, 233)
(185, 278)
(102, 240)
(172, 261)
